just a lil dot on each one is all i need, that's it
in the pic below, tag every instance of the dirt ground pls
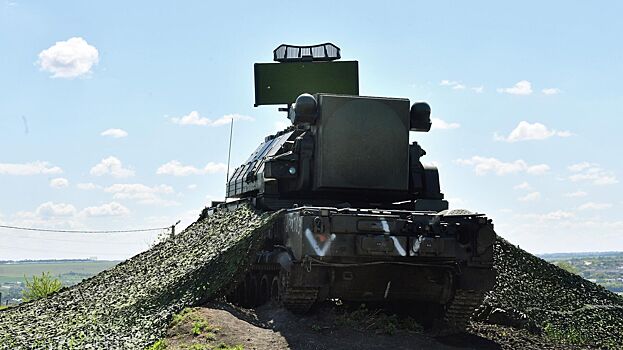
(272, 328)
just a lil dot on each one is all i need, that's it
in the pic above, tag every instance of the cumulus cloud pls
(551, 91)
(176, 168)
(87, 186)
(594, 206)
(526, 131)
(591, 173)
(455, 85)
(576, 194)
(114, 133)
(579, 166)
(108, 209)
(448, 83)
(523, 87)
(523, 186)
(51, 209)
(142, 193)
(69, 59)
(484, 166)
(193, 118)
(192, 186)
(551, 216)
(530, 197)
(34, 168)
(478, 89)
(440, 124)
(59, 182)
(111, 166)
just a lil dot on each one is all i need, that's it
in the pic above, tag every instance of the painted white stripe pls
(320, 251)
(398, 246)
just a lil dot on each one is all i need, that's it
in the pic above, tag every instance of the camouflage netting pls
(130, 305)
(533, 293)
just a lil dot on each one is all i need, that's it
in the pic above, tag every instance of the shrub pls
(40, 286)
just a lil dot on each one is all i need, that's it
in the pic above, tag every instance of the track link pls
(461, 308)
(296, 299)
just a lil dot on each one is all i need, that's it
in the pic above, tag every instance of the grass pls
(41, 286)
(70, 271)
(377, 321)
(569, 336)
(159, 345)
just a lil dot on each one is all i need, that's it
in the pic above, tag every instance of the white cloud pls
(142, 193)
(69, 59)
(111, 166)
(579, 166)
(551, 216)
(193, 118)
(484, 166)
(478, 89)
(576, 194)
(523, 186)
(176, 168)
(558, 215)
(455, 85)
(440, 124)
(592, 173)
(51, 209)
(594, 206)
(33, 168)
(526, 131)
(530, 197)
(523, 87)
(115, 133)
(551, 91)
(108, 209)
(192, 186)
(448, 83)
(59, 182)
(87, 186)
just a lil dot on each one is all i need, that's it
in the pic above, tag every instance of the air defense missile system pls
(362, 218)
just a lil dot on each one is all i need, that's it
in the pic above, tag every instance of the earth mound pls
(130, 306)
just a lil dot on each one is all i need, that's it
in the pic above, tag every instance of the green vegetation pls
(69, 272)
(570, 336)
(567, 266)
(377, 321)
(605, 269)
(41, 286)
(159, 345)
(223, 346)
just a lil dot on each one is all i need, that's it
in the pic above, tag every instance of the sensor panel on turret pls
(281, 83)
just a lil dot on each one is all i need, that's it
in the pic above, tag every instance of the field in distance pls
(603, 268)
(69, 272)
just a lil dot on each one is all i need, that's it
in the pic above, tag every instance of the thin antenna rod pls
(231, 132)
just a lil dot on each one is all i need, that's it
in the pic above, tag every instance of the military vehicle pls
(363, 219)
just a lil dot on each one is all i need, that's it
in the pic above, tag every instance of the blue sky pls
(111, 113)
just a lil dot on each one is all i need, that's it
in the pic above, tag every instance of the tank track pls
(297, 300)
(461, 308)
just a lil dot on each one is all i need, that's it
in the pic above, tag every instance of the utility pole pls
(173, 228)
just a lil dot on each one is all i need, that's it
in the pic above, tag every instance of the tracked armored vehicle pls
(363, 219)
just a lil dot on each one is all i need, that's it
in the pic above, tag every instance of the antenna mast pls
(231, 132)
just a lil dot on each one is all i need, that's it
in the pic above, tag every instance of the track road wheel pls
(264, 292)
(252, 291)
(274, 290)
